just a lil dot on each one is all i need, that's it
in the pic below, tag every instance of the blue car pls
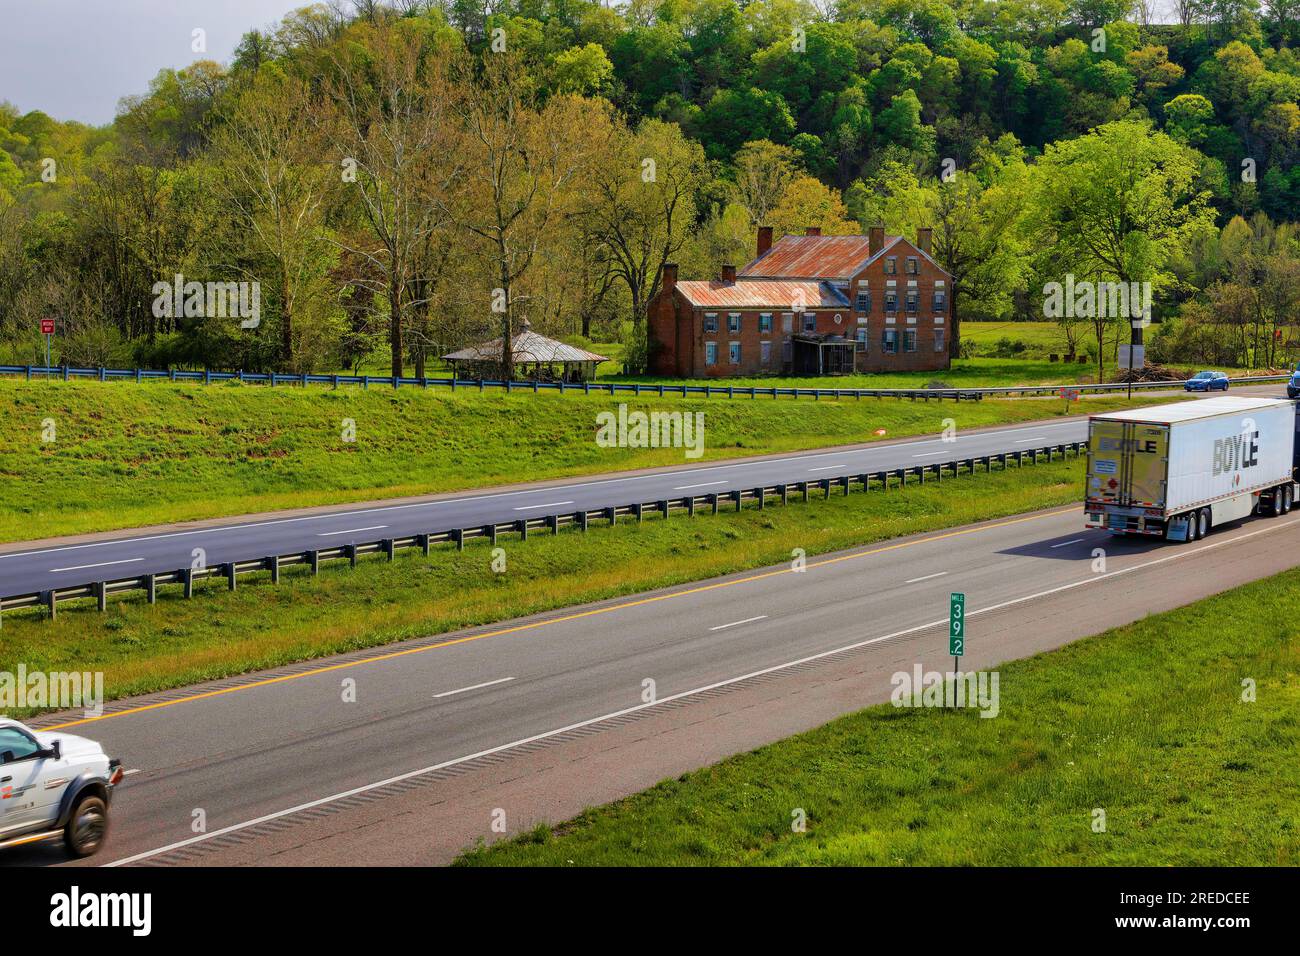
(1293, 386)
(1206, 382)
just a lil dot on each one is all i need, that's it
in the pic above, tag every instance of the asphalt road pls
(260, 756)
(130, 553)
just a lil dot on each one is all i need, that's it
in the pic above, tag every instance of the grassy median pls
(1145, 722)
(216, 633)
(89, 456)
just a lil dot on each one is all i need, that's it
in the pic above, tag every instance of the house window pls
(891, 265)
(912, 300)
(940, 300)
(911, 265)
(891, 303)
(787, 322)
(710, 321)
(889, 342)
(733, 322)
(810, 322)
(765, 352)
(765, 322)
(862, 338)
(733, 353)
(864, 300)
(710, 353)
(938, 340)
(909, 340)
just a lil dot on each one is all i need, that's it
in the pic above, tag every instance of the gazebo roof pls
(528, 348)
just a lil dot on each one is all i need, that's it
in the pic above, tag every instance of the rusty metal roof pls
(815, 257)
(777, 294)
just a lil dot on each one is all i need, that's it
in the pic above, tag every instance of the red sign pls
(1070, 394)
(47, 326)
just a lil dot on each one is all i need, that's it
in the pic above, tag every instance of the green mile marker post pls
(956, 631)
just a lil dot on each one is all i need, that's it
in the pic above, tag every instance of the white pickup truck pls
(1176, 471)
(54, 785)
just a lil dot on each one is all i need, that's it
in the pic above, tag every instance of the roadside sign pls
(1070, 394)
(1132, 356)
(957, 624)
(47, 326)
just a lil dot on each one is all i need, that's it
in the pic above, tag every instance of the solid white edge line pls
(102, 564)
(869, 447)
(461, 690)
(235, 827)
(748, 620)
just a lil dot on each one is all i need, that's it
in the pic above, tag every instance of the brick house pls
(807, 305)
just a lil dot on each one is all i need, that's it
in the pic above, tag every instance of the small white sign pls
(1132, 356)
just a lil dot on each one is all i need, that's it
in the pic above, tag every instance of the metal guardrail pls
(231, 570)
(208, 377)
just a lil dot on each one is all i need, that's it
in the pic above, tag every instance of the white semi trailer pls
(1176, 471)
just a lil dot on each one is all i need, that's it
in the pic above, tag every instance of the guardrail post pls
(388, 548)
(492, 534)
(713, 502)
(273, 565)
(803, 489)
(101, 595)
(230, 574)
(690, 506)
(522, 527)
(51, 602)
(151, 588)
(845, 482)
(761, 495)
(663, 507)
(553, 522)
(637, 508)
(735, 496)
(459, 537)
(785, 494)
(314, 558)
(825, 485)
(423, 540)
(612, 512)
(350, 550)
(187, 577)
(582, 520)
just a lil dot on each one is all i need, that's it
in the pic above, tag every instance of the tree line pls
(411, 177)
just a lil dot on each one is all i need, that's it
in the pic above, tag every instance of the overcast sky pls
(74, 59)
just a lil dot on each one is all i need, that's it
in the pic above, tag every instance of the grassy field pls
(1145, 722)
(125, 455)
(175, 642)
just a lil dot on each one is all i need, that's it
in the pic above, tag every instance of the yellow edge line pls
(553, 620)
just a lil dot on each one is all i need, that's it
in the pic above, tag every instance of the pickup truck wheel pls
(87, 827)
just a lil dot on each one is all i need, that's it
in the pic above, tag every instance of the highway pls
(441, 725)
(130, 553)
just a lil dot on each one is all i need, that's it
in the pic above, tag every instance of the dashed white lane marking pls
(373, 527)
(926, 577)
(553, 504)
(748, 620)
(101, 564)
(1066, 544)
(704, 484)
(461, 690)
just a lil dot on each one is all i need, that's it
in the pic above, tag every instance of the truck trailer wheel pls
(1275, 509)
(1288, 494)
(1203, 523)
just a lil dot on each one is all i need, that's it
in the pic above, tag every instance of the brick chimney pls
(923, 239)
(813, 231)
(764, 239)
(668, 280)
(729, 275)
(875, 239)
